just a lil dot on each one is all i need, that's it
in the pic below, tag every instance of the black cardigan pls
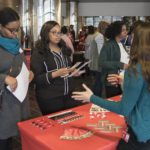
(109, 60)
(43, 64)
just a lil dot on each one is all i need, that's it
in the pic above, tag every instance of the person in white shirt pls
(96, 46)
(88, 42)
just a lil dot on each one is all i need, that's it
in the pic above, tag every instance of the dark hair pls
(91, 30)
(114, 29)
(71, 26)
(42, 45)
(43, 42)
(140, 50)
(64, 30)
(7, 15)
(135, 24)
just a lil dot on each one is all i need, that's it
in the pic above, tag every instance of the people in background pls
(113, 57)
(82, 37)
(127, 42)
(119, 78)
(67, 40)
(95, 50)
(11, 109)
(135, 101)
(87, 45)
(88, 42)
(72, 33)
(51, 66)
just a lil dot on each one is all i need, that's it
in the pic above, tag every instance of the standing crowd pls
(112, 51)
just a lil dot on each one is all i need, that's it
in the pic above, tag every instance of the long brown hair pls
(102, 27)
(140, 50)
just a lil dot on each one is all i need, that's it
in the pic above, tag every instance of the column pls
(58, 11)
(72, 14)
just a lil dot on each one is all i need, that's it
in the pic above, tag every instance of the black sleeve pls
(67, 51)
(42, 77)
(105, 62)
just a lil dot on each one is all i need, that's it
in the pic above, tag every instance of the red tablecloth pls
(33, 138)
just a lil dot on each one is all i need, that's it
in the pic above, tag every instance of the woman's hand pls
(60, 72)
(31, 76)
(83, 96)
(126, 66)
(11, 82)
(115, 79)
(72, 69)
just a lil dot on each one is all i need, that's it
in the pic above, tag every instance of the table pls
(33, 138)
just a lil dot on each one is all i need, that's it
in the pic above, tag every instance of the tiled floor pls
(35, 112)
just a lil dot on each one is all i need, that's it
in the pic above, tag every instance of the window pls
(52, 10)
(89, 21)
(116, 18)
(46, 6)
(39, 15)
(43, 10)
(47, 17)
(142, 18)
(107, 18)
(97, 19)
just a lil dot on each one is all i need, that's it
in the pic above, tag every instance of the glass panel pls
(116, 18)
(46, 6)
(107, 18)
(89, 21)
(52, 10)
(40, 11)
(47, 17)
(52, 6)
(40, 22)
(97, 19)
(40, 8)
(142, 18)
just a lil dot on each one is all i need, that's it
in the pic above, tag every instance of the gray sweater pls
(11, 110)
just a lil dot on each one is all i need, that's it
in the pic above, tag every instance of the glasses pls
(12, 31)
(56, 33)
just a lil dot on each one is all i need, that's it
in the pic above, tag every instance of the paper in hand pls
(75, 65)
(82, 66)
(23, 84)
(72, 68)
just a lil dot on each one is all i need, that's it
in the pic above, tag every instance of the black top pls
(43, 64)
(109, 60)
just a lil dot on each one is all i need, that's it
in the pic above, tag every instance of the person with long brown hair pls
(135, 102)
